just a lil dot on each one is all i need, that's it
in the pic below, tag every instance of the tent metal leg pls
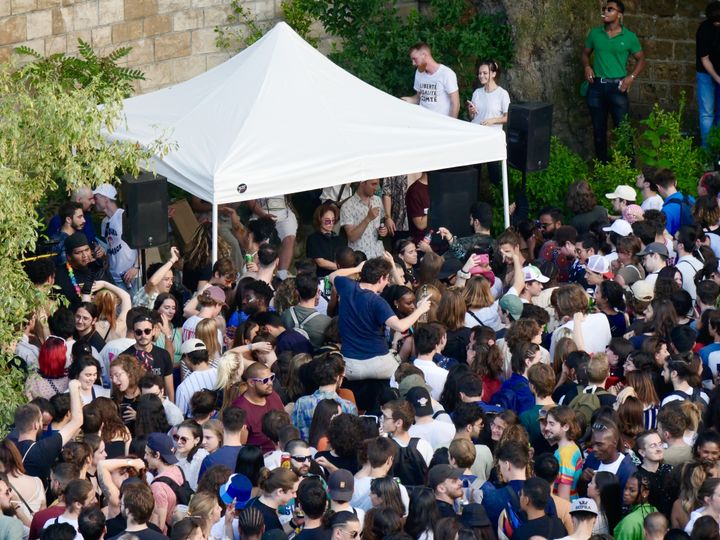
(214, 233)
(506, 195)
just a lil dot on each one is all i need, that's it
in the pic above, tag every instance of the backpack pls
(511, 516)
(183, 493)
(409, 465)
(587, 404)
(686, 217)
(299, 326)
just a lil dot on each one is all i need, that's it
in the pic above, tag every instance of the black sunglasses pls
(301, 459)
(140, 331)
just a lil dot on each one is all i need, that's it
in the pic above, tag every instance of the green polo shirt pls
(610, 55)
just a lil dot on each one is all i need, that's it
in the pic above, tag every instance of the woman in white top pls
(489, 106)
(28, 490)
(709, 497)
(87, 370)
(571, 306)
(189, 451)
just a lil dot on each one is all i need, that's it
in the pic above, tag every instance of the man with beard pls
(84, 197)
(60, 476)
(256, 401)
(76, 277)
(445, 482)
(301, 461)
(72, 220)
(10, 524)
(154, 359)
(137, 505)
(562, 429)
(481, 218)
(40, 453)
(436, 86)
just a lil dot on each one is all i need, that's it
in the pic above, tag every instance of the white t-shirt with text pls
(435, 89)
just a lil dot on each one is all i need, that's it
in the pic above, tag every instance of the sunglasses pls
(140, 331)
(266, 380)
(609, 9)
(183, 440)
(353, 534)
(328, 221)
(301, 459)
(599, 427)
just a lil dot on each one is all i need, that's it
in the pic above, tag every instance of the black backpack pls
(409, 465)
(183, 493)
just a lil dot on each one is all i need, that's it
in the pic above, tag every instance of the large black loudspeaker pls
(145, 220)
(528, 136)
(452, 191)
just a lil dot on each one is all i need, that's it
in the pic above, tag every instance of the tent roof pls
(280, 118)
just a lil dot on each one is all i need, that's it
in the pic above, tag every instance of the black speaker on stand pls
(145, 221)
(452, 191)
(529, 128)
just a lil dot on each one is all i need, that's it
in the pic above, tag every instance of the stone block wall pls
(171, 40)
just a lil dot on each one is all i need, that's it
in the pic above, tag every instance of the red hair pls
(52, 358)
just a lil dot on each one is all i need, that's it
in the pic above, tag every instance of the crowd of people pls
(557, 380)
(375, 377)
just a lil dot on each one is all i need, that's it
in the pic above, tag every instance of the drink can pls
(285, 460)
(248, 258)
(327, 286)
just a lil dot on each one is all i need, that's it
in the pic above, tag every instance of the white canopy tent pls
(279, 118)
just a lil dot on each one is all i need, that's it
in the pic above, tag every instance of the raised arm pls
(125, 304)
(344, 272)
(402, 325)
(105, 469)
(69, 430)
(154, 280)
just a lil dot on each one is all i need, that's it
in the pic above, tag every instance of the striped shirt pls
(196, 381)
(570, 459)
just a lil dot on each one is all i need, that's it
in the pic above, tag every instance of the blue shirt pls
(515, 394)
(673, 212)
(302, 414)
(225, 455)
(88, 228)
(362, 317)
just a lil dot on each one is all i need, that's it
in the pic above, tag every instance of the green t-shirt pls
(610, 55)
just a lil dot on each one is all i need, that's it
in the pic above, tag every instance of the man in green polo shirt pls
(610, 45)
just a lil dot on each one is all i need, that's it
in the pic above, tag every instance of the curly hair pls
(133, 369)
(580, 197)
(706, 211)
(286, 296)
(201, 244)
(231, 367)
(344, 434)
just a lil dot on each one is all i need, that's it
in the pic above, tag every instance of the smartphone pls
(483, 259)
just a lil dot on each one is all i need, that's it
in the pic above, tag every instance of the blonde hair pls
(201, 505)
(563, 348)
(435, 295)
(207, 332)
(230, 369)
(598, 368)
(477, 293)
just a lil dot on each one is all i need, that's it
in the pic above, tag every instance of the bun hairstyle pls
(494, 67)
(279, 478)
(77, 453)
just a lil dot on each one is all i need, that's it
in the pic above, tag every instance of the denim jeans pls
(708, 99)
(604, 98)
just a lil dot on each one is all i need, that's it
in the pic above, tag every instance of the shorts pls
(286, 223)
(377, 367)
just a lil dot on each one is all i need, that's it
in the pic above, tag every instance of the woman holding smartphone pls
(489, 106)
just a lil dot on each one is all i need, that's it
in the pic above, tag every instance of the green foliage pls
(549, 187)
(51, 131)
(374, 38)
(712, 149)
(88, 69)
(664, 145)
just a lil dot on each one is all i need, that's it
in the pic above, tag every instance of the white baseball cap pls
(620, 226)
(584, 504)
(598, 264)
(533, 273)
(192, 344)
(623, 192)
(106, 190)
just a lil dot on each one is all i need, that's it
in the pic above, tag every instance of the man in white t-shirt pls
(121, 258)
(438, 434)
(648, 190)
(381, 454)
(435, 85)
(430, 339)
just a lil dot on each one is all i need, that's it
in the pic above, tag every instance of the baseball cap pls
(598, 264)
(216, 293)
(439, 473)
(623, 192)
(162, 443)
(75, 240)
(106, 190)
(619, 226)
(191, 345)
(584, 504)
(419, 398)
(643, 290)
(409, 382)
(655, 247)
(533, 273)
(513, 305)
(341, 485)
(449, 268)
(238, 487)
